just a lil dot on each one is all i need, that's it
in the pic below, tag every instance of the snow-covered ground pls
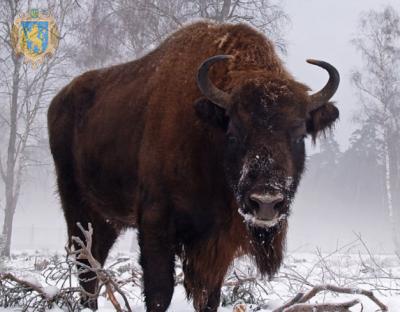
(345, 267)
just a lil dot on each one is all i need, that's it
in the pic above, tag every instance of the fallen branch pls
(297, 304)
(85, 253)
(26, 284)
(31, 296)
(325, 307)
(291, 302)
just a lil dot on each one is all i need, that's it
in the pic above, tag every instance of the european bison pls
(199, 145)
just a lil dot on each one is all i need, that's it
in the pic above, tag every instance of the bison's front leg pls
(211, 303)
(205, 265)
(205, 300)
(157, 257)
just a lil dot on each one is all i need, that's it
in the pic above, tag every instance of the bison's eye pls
(298, 133)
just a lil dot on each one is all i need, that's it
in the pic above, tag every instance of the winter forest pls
(343, 245)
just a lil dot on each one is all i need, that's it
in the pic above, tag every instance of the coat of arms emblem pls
(35, 36)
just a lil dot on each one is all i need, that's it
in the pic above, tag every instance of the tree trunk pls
(11, 204)
(392, 188)
(11, 193)
(203, 9)
(224, 11)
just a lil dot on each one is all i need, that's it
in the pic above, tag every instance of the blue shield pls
(36, 36)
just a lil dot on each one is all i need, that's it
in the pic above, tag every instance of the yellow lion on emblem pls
(35, 37)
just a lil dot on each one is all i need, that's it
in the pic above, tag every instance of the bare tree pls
(378, 41)
(97, 43)
(25, 93)
(131, 28)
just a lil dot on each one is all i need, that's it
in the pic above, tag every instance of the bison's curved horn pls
(214, 94)
(322, 97)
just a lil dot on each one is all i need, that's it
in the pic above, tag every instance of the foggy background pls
(343, 189)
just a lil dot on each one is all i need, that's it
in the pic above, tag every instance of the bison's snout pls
(266, 205)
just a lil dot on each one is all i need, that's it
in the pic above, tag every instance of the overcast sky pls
(323, 29)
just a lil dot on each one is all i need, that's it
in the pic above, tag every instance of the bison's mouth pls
(252, 220)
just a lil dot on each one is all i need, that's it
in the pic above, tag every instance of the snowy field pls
(350, 266)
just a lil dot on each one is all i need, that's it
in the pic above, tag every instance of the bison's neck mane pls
(266, 247)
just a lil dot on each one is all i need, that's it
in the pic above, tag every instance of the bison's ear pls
(322, 119)
(210, 113)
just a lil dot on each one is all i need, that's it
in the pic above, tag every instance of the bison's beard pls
(267, 247)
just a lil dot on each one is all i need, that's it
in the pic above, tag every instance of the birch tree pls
(378, 42)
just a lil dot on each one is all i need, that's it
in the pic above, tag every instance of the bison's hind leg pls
(104, 235)
(75, 210)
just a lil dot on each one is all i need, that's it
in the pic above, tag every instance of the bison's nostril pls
(266, 204)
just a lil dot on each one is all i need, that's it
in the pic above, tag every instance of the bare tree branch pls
(85, 253)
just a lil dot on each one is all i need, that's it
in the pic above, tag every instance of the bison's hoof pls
(89, 303)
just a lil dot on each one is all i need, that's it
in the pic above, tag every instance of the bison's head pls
(266, 118)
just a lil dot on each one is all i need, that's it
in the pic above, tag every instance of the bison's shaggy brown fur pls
(131, 150)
